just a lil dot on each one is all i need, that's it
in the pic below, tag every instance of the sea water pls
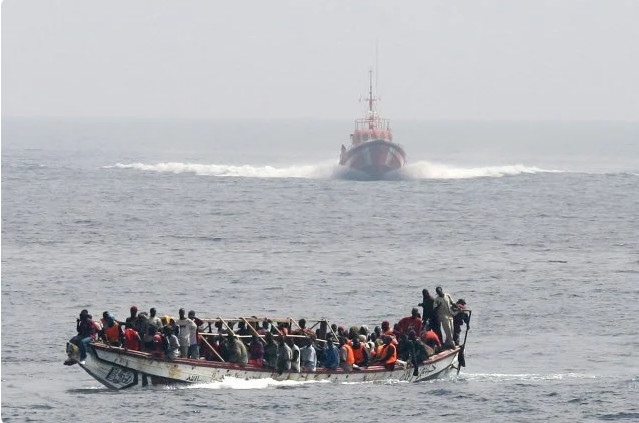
(535, 225)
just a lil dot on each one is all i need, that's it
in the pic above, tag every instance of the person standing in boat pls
(284, 356)
(133, 318)
(428, 312)
(194, 344)
(186, 327)
(444, 307)
(270, 351)
(308, 356)
(459, 319)
(173, 343)
(154, 321)
(295, 358)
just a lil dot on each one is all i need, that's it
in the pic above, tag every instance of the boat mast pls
(371, 113)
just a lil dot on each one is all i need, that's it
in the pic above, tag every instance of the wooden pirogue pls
(119, 368)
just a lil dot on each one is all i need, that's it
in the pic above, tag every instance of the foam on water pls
(418, 170)
(527, 377)
(430, 170)
(235, 383)
(321, 170)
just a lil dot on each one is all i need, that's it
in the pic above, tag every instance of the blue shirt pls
(331, 360)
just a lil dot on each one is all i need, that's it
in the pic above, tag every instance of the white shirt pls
(188, 331)
(443, 306)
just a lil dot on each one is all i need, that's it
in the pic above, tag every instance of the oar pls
(462, 359)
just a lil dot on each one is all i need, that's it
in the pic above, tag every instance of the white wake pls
(430, 170)
(328, 169)
(235, 383)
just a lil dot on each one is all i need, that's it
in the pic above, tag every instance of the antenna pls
(376, 66)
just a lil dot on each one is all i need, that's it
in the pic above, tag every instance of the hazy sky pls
(510, 59)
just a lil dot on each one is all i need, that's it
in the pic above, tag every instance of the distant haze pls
(460, 60)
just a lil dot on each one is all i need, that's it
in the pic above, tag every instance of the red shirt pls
(408, 323)
(131, 339)
(431, 336)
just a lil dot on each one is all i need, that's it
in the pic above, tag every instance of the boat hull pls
(117, 368)
(374, 159)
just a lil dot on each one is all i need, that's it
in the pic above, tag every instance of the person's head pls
(461, 301)
(334, 327)
(182, 312)
(414, 312)
(168, 330)
(241, 325)
(356, 343)
(363, 330)
(386, 339)
(439, 291)
(342, 340)
(411, 335)
(377, 330)
(302, 323)
(361, 338)
(84, 314)
(385, 325)
(425, 293)
(191, 314)
(152, 312)
(134, 311)
(105, 315)
(329, 341)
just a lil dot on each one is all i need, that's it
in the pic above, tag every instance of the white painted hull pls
(120, 369)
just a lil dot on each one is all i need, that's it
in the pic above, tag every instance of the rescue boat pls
(372, 153)
(118, 368)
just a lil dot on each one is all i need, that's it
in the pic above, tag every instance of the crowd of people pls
(278, 346)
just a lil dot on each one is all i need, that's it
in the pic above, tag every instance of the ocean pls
(534, 224)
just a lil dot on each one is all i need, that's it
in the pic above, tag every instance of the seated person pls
(331, 355)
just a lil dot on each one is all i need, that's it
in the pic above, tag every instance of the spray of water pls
(325, 170)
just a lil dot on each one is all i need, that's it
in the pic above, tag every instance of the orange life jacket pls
(350, 357)
(112, 332)
(131, 339)
(393, 357)
(358, 353)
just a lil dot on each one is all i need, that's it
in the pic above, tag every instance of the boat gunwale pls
(251, 368)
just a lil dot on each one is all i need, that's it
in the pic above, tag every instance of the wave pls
(429, 170)
(328, 169)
